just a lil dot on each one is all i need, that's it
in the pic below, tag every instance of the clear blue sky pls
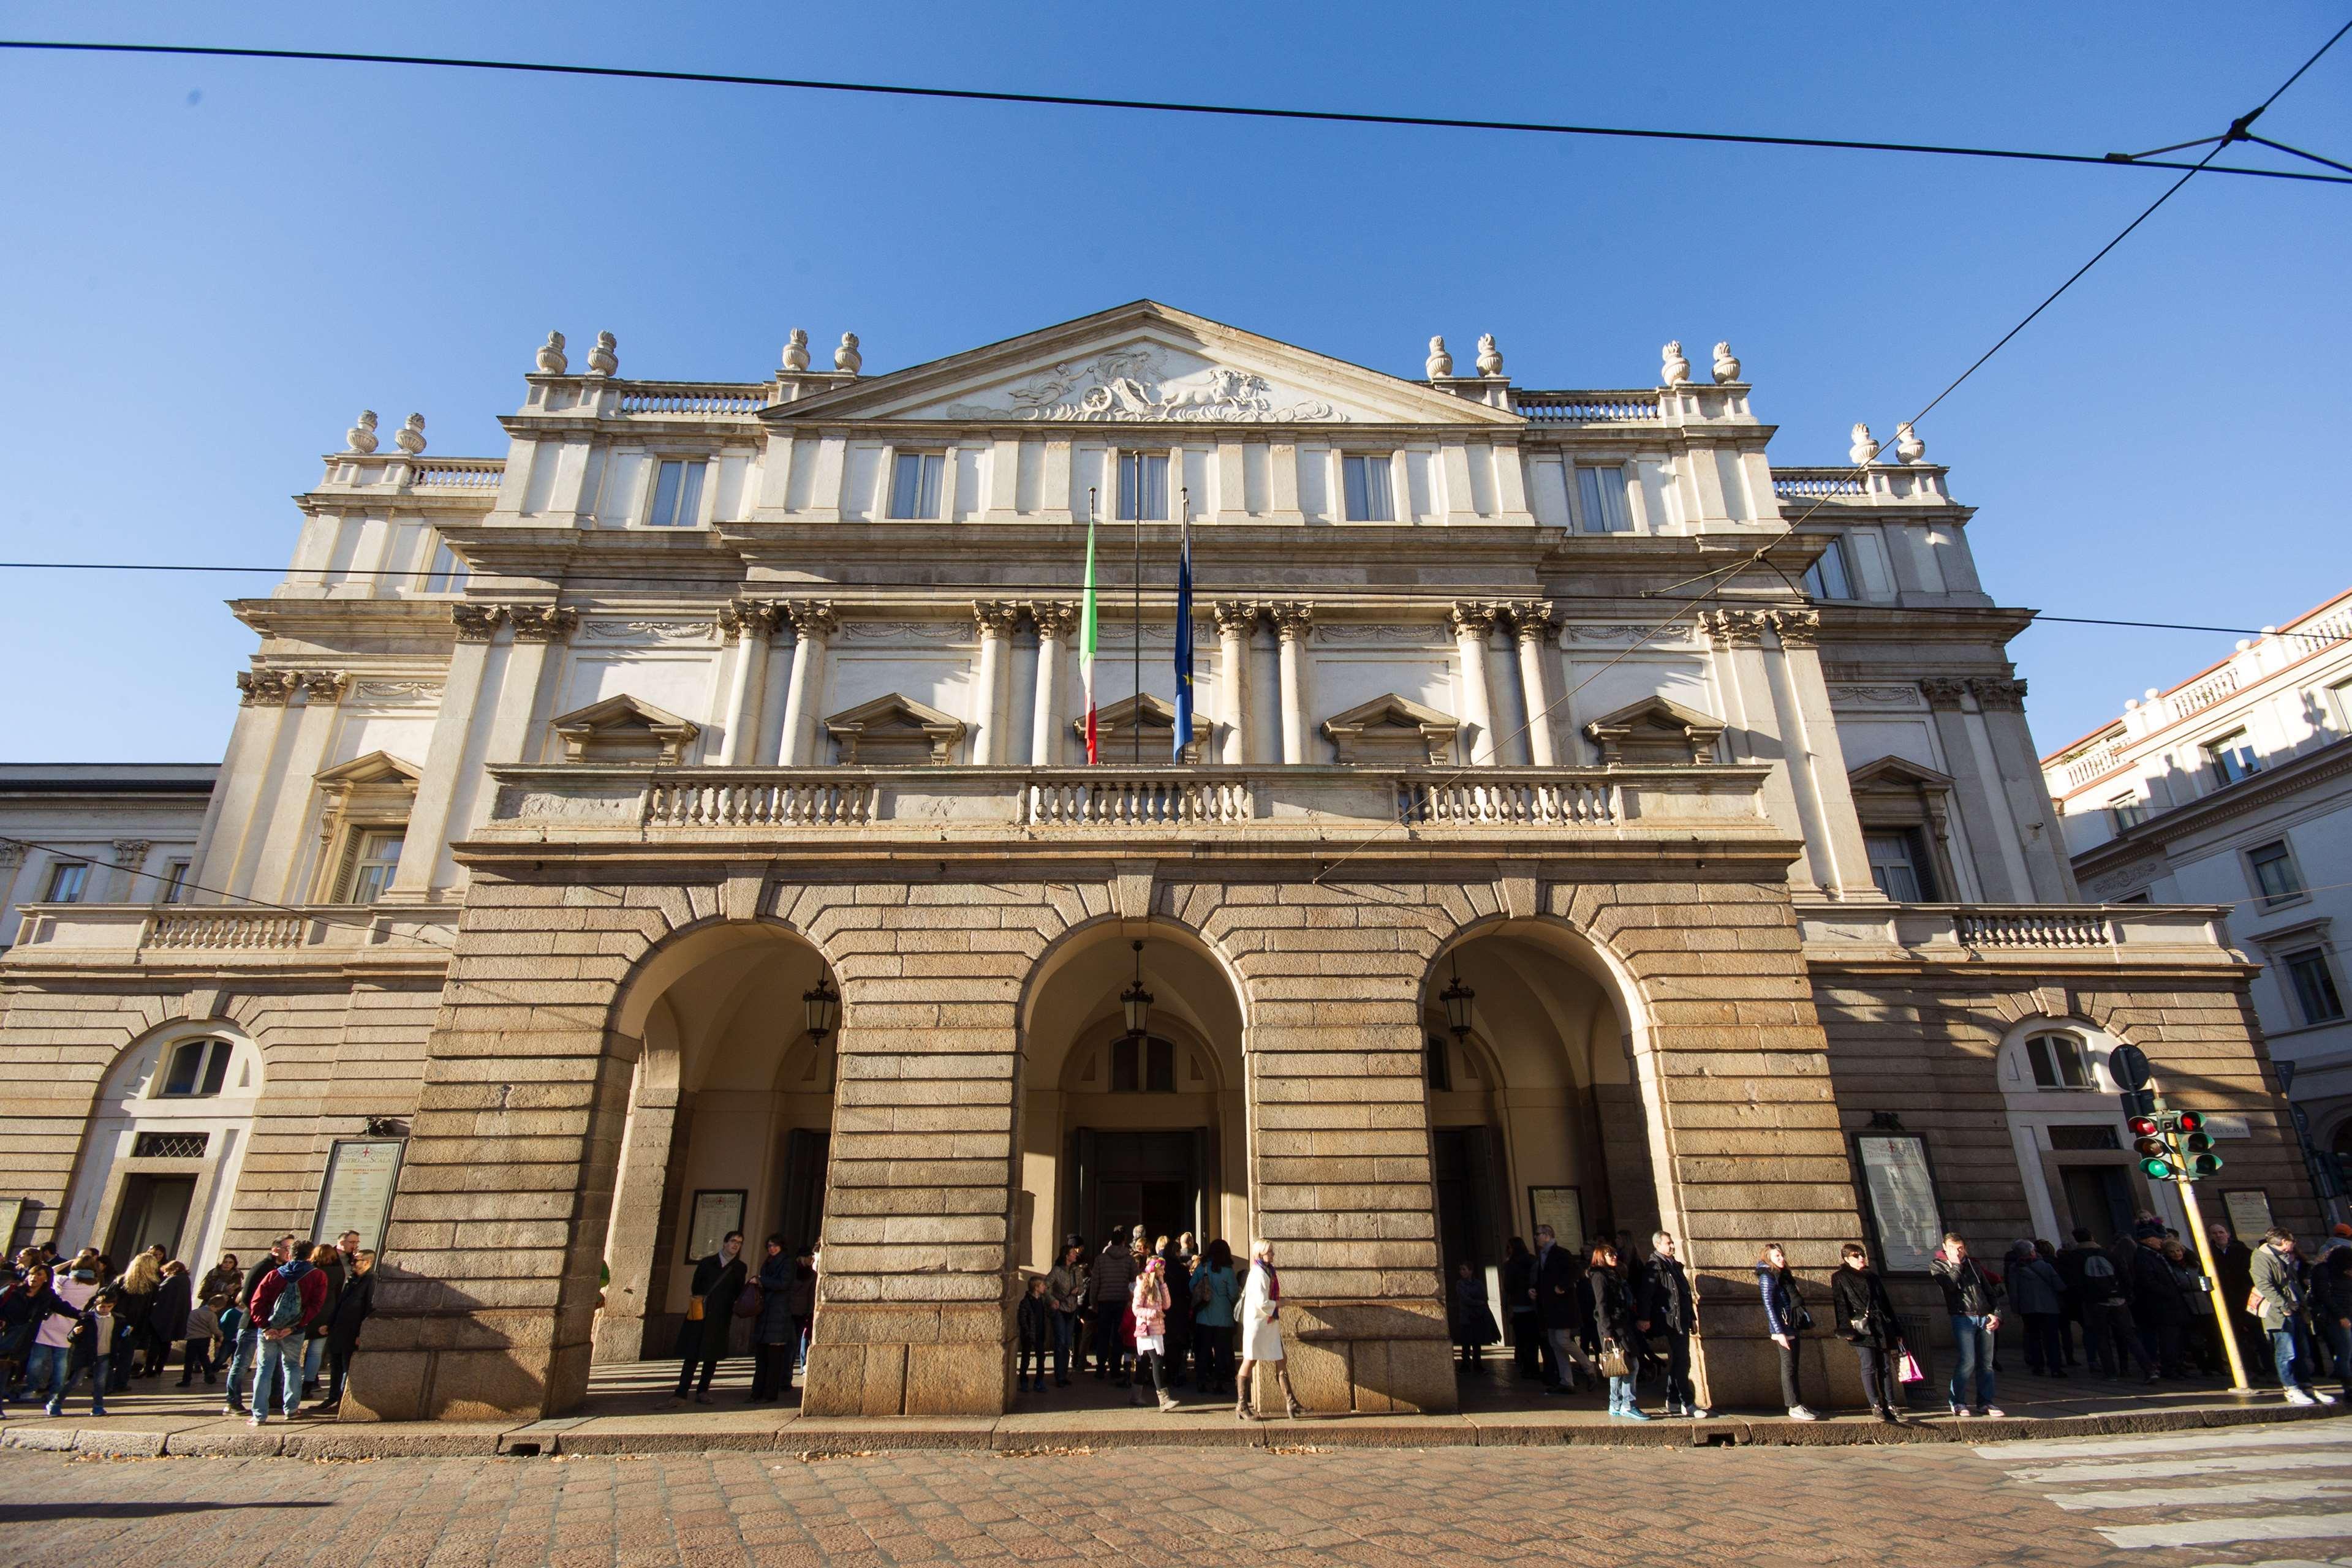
(206, 267)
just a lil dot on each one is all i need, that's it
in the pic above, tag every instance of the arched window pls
(1143, 1066)
(193, 1070)
(2059, 1061)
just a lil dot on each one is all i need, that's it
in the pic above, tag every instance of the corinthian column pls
(813, 624)
(997, 619)
(750, 622)
(1236, 621)
(1055, 619)
(1296, 620)
(1531, 624)
(1472, 625)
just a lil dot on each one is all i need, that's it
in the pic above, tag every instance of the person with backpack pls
(247, 1352)
(2040, 1292)
(2110, 1336)
(285, 1305)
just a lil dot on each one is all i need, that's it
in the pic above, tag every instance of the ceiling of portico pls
(1144, 363)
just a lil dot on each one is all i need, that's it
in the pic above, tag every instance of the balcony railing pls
(1864, 934)
(731, 400)
(592, 802)
(1583, 407)
(203, 933)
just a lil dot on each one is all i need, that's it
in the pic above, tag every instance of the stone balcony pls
(1309, 808)
(2041, 937)
(343, 939)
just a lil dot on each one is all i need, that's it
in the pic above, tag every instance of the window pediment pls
(1115, 728)
(1391, 731)
(623, 729)
(1655, 730)
(895, 731)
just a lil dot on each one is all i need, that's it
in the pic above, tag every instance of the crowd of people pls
(289, 1326)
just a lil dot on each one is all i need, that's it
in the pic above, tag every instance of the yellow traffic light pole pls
(2221, 1309)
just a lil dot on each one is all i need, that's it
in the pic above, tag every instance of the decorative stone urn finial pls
(1863, 448)
(1907, 444)
(410, 438)
(796, 350)
(1676, 369)
(551, 361)
(1490, 358)
(603, 360)
(1726, 364)
(846, 357)
(360, 438)
(1441, 364)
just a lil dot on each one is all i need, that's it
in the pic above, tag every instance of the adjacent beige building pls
(683, 822)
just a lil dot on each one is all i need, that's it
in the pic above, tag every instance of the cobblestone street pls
(2021, 1503)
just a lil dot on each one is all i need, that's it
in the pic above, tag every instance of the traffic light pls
(2156, 1154)
(2197, 1146)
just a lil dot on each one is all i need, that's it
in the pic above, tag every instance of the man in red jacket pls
(284, 1304)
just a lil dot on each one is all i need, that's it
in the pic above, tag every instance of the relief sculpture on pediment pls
(1133, 384)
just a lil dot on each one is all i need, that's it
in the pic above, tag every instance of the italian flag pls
(1089, 639)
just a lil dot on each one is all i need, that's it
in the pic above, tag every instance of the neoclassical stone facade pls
(1524, 861)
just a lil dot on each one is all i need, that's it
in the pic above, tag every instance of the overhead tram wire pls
(2037, 617)
(1153, 106)
(2236, 132)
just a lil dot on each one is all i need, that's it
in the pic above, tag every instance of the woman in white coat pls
(1261, 1315)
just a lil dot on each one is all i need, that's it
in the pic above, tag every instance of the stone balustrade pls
(204, 936)
(1877, 483)
(1583, 407)
(2038, 935)
(1248, 802)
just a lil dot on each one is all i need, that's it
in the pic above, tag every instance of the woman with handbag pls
(1786, 1319)
(702, 1338)
(775, 1333)
(1866, 1319)
(1612, 1319)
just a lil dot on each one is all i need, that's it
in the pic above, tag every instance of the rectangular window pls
(2232, 757)
(1434, 1066)
(374, 860)
(2127, 809)
(2058, 1061)
(1897, 866)
(2274, 871)
(915, 478)
(2140, 897)
(1369, 499)
(1142, 488)
(1828, 578)
(2314, 984)
(677, 495)
(1602, 493)
(2339, 703)
(66, 882)
(175, 882)
(447, 573)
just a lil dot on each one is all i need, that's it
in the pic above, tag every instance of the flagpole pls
(1135, 720)
(1183, 725)
(1090, 635)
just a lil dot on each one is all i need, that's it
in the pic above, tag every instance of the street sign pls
(2128, 1065)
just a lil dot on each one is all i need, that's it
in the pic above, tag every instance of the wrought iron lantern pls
(824, 1004)
(1137, 1001)
(1457, 998)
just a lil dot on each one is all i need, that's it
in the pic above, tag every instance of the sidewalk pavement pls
(629, 1411)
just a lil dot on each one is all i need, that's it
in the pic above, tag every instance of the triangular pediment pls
(1115, 728)
(1392, 731)
(893, 730)
(375, 768)
(1896, 773)
(1657, 730)
(1143, 363)
(623, 728)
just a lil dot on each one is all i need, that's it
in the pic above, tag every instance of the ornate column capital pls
(132, 852)
(1733, 628)
(996, 617)
(1796, 628)
(12, 852)
(265, 688)
(2008, 695)
(1055, 618)
(1531, 620)
(1236, 617)
(1943, 691)
(1471, 619)
(477, 622)
(813, 619)
(750, 617)
(541, 622)
(324, 686)
(1294, 618)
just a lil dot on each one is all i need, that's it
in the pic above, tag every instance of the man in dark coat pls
(2233, 1281)
(702, 1338)
(1557, 1281)
(1667, 1312)
(2158, 1306)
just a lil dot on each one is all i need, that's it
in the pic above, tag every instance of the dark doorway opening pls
(1468, 1211)
(2098, 1199)
(155, 1210)
(801, 1214)
(1130, 1178)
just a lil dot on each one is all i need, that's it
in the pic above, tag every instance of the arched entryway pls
(730, 1119)
(1536, 1112)
(166, 1143)
(1126, 1128)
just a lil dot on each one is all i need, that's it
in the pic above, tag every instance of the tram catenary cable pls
(1001, 589)
(1152, 106)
